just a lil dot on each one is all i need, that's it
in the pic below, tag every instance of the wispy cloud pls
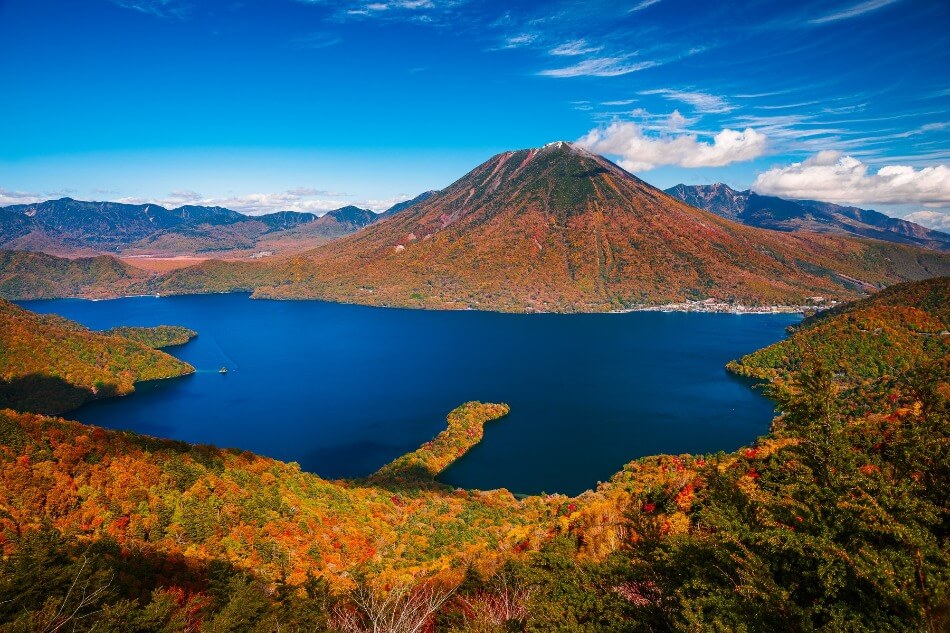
(575, 47)
(643, 5)
(517, 41)
(418, 11)
(317, 41)
(599, 67)
(788, 106)
(853, 11)
(700, 101)
(158, 8)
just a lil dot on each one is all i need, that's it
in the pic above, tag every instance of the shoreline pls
(696, 307)
(724, 308)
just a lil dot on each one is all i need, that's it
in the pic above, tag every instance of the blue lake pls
(344, 389)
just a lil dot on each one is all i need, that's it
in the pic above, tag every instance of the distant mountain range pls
(75, 227)
(554, 228)
(770, 212)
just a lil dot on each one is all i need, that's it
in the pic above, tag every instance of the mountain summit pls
(561, 228)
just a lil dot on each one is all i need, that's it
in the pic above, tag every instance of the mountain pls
(74, 227)
(345, 220)
(281, 220)
(208, 215)
(99, 225)
(559, 228)
(306, 231)
(770, 212)
(402, 206)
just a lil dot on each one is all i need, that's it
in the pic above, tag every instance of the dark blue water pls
(344, 389)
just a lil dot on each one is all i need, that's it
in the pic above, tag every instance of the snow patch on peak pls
(573, 147)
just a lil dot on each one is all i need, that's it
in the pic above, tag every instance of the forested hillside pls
(51, 365)
(835, 520)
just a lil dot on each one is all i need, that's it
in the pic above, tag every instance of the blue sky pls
(311, 104)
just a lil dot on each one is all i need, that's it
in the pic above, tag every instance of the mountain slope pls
(823, 217)
(402, 206)
(25, 275)
(558, 228)
(49, 364)
(897, 331)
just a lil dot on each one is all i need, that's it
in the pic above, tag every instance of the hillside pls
(560, 229)
(770, 212)
(902, 329)
(51, 365)
(26, 275)
(402, 206)
(849, 537)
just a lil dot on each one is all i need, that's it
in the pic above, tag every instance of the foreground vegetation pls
(836, 520)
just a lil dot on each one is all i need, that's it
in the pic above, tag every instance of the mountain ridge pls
(780, 214)
(70, 227)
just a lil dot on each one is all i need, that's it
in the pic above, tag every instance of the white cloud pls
(157, 8)
(939, 220)
(853, 11)
(9, 197)
(599, 67)
(185, 196)
(701, 101)
(676, 121)
(516, 41)
(575, 47)
(833, 177)
(639, 152)
(643, 5)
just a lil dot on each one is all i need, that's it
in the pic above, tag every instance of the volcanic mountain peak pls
(558, 227)
(559, 179)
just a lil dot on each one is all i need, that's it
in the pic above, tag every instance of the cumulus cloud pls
(640, 152)
(933, 219)
(833, 177)
(599, 67)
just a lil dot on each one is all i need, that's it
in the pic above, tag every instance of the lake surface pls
(344, 389)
